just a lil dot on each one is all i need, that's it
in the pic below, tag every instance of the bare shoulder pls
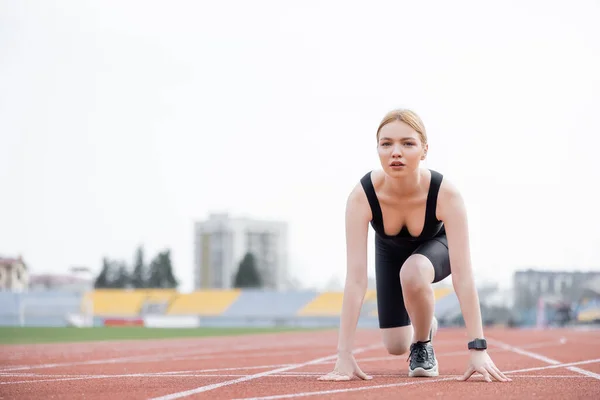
(378, 178)
(450, 200)
(357, 203)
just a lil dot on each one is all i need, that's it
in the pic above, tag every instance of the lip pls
(397, 164)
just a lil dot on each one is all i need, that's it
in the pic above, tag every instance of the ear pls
(425, 152)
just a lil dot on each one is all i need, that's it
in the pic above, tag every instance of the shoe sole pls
(421, 372)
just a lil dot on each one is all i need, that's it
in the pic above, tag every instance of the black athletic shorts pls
(389, 258)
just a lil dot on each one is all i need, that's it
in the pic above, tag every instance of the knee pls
(397, 348)
(416, 273)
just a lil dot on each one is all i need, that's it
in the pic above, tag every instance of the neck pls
(404, 185)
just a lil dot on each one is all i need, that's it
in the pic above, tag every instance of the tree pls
(102, 278)
(247, 275)
(116, 274)
(169, 280)
(139, 275)
(122, 278)
(161, 272)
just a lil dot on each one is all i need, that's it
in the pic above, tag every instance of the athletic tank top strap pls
(434, 188)
(369, 189)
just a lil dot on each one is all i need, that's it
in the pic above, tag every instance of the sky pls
(124, 122)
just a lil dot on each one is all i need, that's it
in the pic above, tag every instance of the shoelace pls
(419, 350)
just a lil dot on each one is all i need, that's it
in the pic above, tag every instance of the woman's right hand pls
(345, 369)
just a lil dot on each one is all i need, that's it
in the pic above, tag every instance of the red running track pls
(551, 364)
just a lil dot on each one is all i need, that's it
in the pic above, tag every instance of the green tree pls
(169, 280)
(102, 278)
(114, 274)
(122, 278)
(139, 275)
(247, 275)
(161, 272)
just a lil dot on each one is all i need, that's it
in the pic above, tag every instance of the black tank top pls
(432, 227)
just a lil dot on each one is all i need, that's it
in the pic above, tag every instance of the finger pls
(466, 375)
(495, 373)
(485, 373)
(333, 377)
(362, 375)
(506, 378)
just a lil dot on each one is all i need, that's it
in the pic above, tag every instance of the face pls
(400, 148)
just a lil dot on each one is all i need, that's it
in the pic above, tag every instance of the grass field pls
(32, 335)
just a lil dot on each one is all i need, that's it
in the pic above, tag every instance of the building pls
(62, 282)
(14, 276)
(553, 286)
(221, 242)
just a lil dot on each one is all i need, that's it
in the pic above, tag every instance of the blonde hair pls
(408, 117)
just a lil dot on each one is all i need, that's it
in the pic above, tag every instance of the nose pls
(397, 150)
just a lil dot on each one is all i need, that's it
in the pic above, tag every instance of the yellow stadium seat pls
(325, 304)
(159, 294)
(116, 302)
(589, 315)
(204, 302)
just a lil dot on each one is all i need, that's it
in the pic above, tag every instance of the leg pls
(394, 323)
(416, 276)
(429, 263)
(397, 340)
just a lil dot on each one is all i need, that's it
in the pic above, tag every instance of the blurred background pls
(187, 163)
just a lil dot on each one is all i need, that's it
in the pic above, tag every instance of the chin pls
(395, 172)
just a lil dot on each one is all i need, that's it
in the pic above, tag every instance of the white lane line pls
(305, 394)
(227, 369)
(541, 357)
(562, 365)
(255, 376)
(179, 355)
(185, 374)
(148, 358)
(560, 341)
(71, 364)
(286, 375)
(166, 373)
(551, 376)
(167, 355)
(415, 382)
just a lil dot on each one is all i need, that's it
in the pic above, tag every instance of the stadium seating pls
(325, 304)
(256, 303)
(116, 302)
(214, 307)
(205, 302)
(589, 310)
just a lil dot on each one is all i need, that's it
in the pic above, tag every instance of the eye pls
(409, 144)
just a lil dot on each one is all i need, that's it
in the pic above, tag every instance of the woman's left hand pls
(481, 362)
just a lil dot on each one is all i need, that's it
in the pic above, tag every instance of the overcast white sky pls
(123, 122)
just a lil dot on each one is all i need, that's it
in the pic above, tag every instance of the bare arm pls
(451, 210)
(358, 215)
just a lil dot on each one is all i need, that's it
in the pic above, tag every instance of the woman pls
(421, 230)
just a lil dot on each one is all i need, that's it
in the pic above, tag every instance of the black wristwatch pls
(478, 344)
